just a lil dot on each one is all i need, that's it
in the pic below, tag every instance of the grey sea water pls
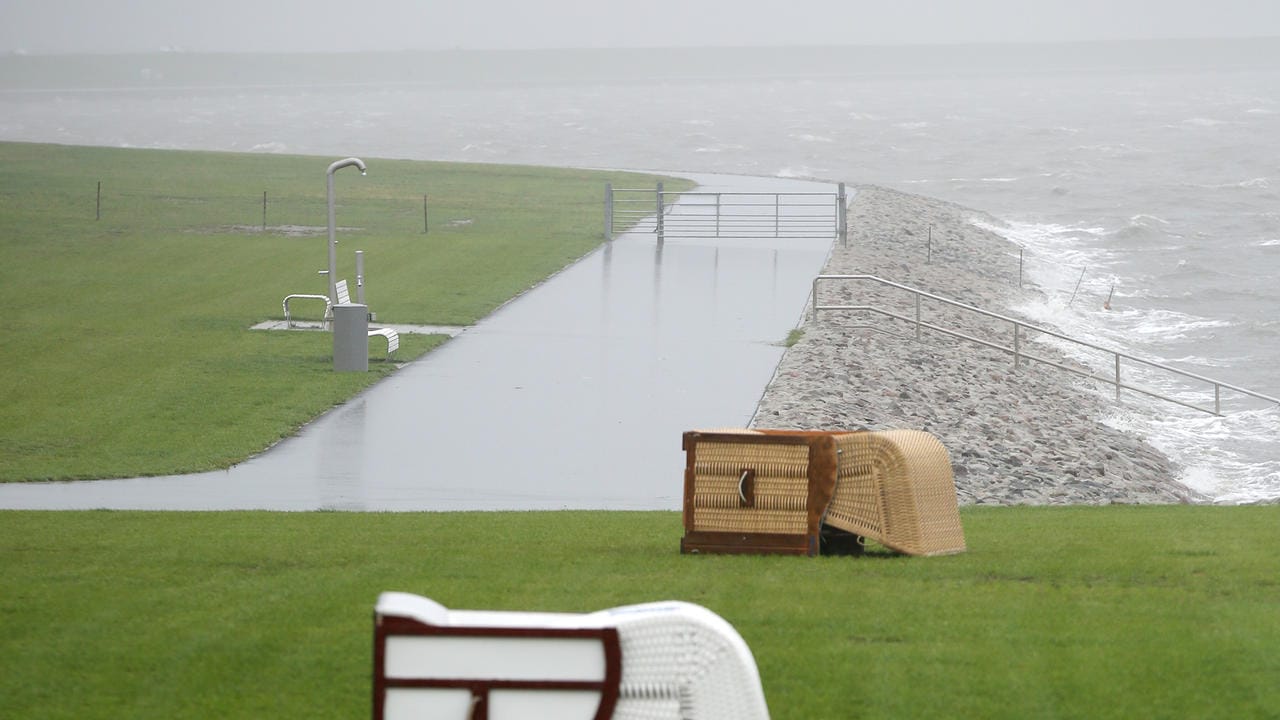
(1146, 172)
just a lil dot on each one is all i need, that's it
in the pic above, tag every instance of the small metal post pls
(425, 228)
(608, 211)
(360, 277)
(1217, 399)
(917, 297)
(659, 228)
(1073, 292)
(97, 212)
(717, 214)
(264, 211)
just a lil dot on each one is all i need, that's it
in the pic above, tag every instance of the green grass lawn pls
(1121, 612)
(126, 344)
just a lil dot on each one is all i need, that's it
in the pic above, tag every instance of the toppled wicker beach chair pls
(659, 660)
(777, 491)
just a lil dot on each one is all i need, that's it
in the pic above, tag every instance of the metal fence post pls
(917, 297)
(717, 214)
(608, 211)
(660, 228)
(777, 212)
(842, 227)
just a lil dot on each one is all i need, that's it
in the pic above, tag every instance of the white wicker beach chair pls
(640, 662)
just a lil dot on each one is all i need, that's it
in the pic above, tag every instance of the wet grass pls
(127, 348)
(1121, 612)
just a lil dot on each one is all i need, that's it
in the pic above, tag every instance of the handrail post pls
(608, 211)
(1017, 347)
(717, 214)
(1117, 377)
(659, 228)
(1217, 399)
(917, 297)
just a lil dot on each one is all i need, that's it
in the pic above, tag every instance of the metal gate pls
(732, 215)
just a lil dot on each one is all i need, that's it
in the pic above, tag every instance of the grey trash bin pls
(351, 338)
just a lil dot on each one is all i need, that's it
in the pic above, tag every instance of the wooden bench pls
(658, 660)
(392, 337)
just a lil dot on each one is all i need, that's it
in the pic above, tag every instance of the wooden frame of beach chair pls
(779, 491)
(657, 660)
(752, 491)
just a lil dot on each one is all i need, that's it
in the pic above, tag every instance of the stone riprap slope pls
(1016, 436)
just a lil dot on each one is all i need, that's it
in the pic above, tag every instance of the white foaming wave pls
(270, 147)
(1268, 243)
(1050, 240)
(1173, 325)
(806, 137)
(719, 148)
(1227, 458)
(802, 172)
(700, 123)
(919, 125)
(1215, 451)
(862, 116)
(1142, 219)
(1207, 122)
(1205, 361)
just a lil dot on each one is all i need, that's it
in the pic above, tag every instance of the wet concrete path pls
(573, 396)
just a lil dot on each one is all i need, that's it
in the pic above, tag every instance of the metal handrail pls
(1018, 353)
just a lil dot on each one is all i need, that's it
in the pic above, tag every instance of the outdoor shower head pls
(357, 162)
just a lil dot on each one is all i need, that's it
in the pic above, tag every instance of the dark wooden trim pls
(690, 444)
(396, 626)
(731, 542)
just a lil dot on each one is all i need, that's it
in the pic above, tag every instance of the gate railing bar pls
(1018, 354)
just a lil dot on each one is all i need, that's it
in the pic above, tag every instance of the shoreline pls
(1025, 436)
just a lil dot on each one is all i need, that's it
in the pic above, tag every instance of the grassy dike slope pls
(1097, 612)
(126, 344)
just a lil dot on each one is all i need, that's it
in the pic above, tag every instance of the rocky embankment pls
(1029, 435)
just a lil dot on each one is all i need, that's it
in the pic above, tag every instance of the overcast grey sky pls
(43, 26)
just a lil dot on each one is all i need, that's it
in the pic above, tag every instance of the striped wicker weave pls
(772, 491)
(896, 488)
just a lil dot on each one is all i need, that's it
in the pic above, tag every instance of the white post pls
(360, 277)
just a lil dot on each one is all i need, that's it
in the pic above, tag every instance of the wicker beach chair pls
(640, 662)
(777, 491)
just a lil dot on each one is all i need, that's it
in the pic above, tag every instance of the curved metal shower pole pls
(333, 240)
